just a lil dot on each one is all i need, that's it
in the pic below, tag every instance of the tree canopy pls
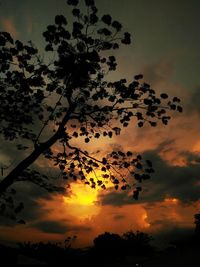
(67, 96)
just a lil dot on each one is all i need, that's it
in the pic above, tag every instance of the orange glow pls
(9, 26)
(81, 195)
(196, 147)
(144, 220)
(171, 200)
(82, 201)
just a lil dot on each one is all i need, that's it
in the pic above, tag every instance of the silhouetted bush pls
(137, 243)
(111, 246)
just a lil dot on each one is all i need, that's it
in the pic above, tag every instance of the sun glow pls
(82, 200)
(171, 200)
(82, 194)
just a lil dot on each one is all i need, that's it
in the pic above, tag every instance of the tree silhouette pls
(137, 243)
(197, 224)
(65, 96)
(108, 246)
(111, 246)
(108, 241)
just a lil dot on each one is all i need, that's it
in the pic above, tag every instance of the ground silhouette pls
(109, 249)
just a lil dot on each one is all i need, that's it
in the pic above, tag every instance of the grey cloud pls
(172, 234)
(175, 181)
(59, 227)
(194, 101)
(27, 193)
(51, 227)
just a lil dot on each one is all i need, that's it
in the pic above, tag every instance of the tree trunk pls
(24, 164)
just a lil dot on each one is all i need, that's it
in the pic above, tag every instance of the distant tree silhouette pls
(111, 246)
(197, 224)
(64, 96)
(108, 241)
(108, 247)
(137, 243)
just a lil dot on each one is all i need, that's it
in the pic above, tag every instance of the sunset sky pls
(165, 49)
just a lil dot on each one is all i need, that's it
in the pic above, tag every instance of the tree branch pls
(24, 164)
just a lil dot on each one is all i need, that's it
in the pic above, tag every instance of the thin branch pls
(54, 109)
(82, 152)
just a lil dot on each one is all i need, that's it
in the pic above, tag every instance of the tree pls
(197, 224)
(137, 243)
(108, 246)
(66, 96)
(108, 241)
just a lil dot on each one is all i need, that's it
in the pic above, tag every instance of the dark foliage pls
(197, 225)
(111, 245)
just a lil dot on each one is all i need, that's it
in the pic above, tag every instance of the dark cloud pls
(59, 227)
(27, 193)
(171, 235)
(167, 181)
(194, 101)
(175, 181)
(51, 227)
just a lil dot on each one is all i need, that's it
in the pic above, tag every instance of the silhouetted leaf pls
(164, 96)
(117, 25)
(60, 20)
(127, 38)
(106, 19)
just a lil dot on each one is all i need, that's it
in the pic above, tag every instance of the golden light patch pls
(144, 221)
(81, 195)
(171, 200)
(82, 201)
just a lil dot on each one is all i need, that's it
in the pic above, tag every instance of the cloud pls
(56, 227)
(159, 72)
(119, 217)
(51, 227)
(167, 236)
(167, 181)
(193, 104)
(9, 26)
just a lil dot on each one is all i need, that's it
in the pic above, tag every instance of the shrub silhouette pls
(197, 224)
(108, 241)
(137, 243)
(111, 246)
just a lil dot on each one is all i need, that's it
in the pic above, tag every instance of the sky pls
(165, 49)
